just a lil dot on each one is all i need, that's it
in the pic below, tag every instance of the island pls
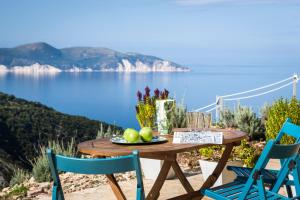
(43, 58)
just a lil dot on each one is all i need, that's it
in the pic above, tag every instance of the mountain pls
(25, 125)
(80, 59)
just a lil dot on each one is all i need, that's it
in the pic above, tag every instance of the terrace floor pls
(170, 189)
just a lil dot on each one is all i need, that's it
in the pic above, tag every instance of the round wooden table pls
(167, 152)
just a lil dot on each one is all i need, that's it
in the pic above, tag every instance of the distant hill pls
(25, 125)
(83, 58)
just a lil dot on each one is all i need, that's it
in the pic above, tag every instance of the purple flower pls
(156, 93)
(139, 95)
(147, 91)
(166, 93)
(162, 95)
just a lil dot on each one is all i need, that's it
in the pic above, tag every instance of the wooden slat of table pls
(104, 147)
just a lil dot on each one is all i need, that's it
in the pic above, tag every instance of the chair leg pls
(261, 188)
(289, 191)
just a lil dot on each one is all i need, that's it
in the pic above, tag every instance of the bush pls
(108, 133)
(278, 113)
(247, 121)
(19, 176)
(246, 152)
(17, 190)
(40, 170)
(212, 153)
(264, 112)
(244, 119)
(227, 119)
(177, 117)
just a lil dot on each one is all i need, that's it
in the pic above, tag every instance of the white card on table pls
(196, 137)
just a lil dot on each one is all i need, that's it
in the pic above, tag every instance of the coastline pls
(125, 66)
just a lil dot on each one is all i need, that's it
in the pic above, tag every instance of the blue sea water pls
(111, 96)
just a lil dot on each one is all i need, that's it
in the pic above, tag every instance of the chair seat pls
(243, 174)
(270, 176)
(233, 190)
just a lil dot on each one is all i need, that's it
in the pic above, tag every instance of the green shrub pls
(264, 112)
(227, 119)
(40, 170)
(177, 117)
(19, 176)
(244, 119)
(17, 190)
(212, 153)
(247, 153)
(108, 133)
(278, 113)
(247, 121)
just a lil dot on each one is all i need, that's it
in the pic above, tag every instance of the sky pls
(189, 32)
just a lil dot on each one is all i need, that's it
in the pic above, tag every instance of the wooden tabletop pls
(104, 147)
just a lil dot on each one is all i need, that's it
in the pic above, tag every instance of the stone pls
(5, 189)
(34, 192)
(31, 180)
(44, 185)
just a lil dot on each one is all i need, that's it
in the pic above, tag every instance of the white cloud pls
(234, 2)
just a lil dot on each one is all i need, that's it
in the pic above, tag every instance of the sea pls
(111, 96)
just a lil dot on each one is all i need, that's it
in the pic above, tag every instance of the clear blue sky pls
(241, 32)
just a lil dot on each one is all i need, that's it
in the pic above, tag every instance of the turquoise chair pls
(93, 166)
(270, 176)
(254, 187)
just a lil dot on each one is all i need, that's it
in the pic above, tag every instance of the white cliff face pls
(34, 69)
(158, 66)
(123, 66)
(3, 69)
(78, 69)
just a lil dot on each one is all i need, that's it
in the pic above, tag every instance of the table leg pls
(212, 178)
(219, 168)
(185, 183)
(154, 192)
(115, 187)
(113, 183)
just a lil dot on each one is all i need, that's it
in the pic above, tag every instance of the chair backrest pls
(273, 150)
(93, 166)
(290, 129)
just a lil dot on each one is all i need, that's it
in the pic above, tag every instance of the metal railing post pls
(219, 107)
(295, 80)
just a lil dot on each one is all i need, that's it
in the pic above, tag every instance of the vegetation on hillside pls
(25, 126)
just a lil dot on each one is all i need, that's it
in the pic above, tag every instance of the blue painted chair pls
(254, 187)
(270, 176)
(93, 166)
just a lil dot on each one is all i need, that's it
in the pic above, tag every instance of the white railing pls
(219, 103)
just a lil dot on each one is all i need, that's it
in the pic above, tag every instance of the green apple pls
(131, 135)
(146, 134)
